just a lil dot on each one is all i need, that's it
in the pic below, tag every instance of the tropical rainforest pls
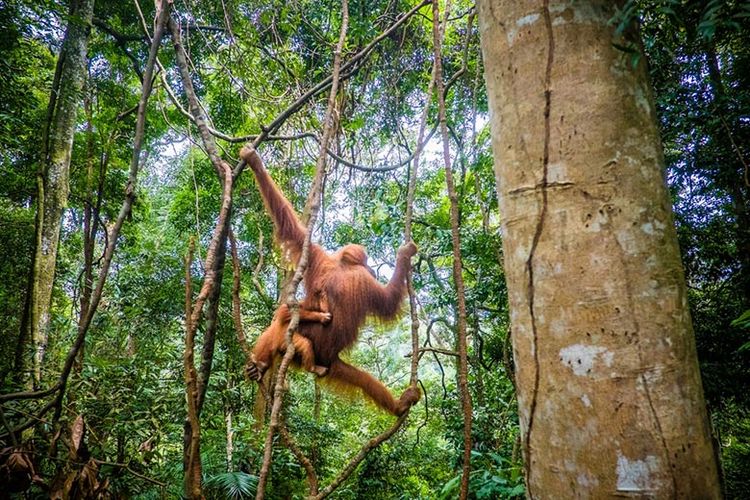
(139, 263)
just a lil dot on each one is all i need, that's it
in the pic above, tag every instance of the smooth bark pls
(609, 392)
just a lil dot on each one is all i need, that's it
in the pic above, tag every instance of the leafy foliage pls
(234, 485)
(494, 476)
(251, 60)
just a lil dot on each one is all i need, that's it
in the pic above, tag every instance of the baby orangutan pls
(273, 340)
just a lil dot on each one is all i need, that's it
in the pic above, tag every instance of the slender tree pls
(196, 381)
(610, 396)
(52, 182)
(458, 281)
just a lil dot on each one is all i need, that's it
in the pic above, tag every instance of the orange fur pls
(273, 341)
(340, 283)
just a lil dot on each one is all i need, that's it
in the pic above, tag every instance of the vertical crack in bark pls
(537, 236)
(639, 352)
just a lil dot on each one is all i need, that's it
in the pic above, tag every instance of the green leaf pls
(743, 321)
(450, 488)
(236, 485)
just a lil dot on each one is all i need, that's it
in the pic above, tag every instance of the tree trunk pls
(462, 368)
(53, 182)
(228, 412)
(609, 392)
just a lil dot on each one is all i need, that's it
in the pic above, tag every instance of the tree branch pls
(357, 459)
(236, 310)
(211, 289)
(433, 349)
(321, 86)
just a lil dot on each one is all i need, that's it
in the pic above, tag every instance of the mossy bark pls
(65, 100)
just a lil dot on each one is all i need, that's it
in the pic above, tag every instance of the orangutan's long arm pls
(289, 230)
(389, 297)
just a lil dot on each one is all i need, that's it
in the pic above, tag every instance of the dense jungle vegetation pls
(93, 374)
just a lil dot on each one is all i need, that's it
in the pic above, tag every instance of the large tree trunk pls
(610, 397)
(53, 183)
